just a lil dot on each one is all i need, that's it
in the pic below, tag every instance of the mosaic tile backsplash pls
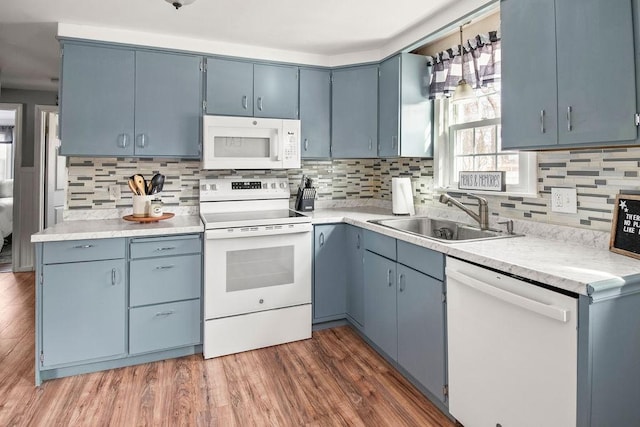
(597, 174)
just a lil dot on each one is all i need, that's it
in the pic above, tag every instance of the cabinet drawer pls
(165, 279)
(163, 246)
(82, 250)
(422, 259)
(164, 326)
(380, 244)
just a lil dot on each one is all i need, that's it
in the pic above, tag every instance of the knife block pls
(305, 199)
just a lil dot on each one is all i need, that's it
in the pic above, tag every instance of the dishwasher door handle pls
(551, 311)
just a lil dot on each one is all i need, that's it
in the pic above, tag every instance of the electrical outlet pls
(564, 200)
(114, 192)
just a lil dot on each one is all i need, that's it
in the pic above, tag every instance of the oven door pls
(256, 268)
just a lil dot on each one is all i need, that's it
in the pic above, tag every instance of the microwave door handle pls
(276, 145)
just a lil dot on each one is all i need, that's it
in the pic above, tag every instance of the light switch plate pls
(114, 192)
(564, 200)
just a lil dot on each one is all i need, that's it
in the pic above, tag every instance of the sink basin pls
(441, 230)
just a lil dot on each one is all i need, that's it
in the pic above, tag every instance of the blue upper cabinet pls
(229, 87)
(123, 102)
(97, 101)
(239, 88)
(354, 112)
(315, 113)
(405, 111)
(168, 106)
(554, 93)
(275, 91)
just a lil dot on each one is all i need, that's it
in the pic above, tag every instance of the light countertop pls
(108, 228)
(569, 266)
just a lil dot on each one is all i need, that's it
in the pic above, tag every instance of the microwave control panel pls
(291, 143)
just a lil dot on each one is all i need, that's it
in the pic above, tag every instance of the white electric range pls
(257, 265)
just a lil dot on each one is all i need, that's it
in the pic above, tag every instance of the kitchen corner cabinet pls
(545, 100)
(240, 88)
(100, 305)
(405, 112)
(354, 112)
(124, 102)
(405, 308)
(329, 278)
(315, 113)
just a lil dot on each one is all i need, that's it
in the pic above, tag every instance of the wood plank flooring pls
(333, 379)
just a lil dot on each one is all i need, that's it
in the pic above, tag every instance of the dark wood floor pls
(332, 379)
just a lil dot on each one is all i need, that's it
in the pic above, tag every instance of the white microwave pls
(250, 143)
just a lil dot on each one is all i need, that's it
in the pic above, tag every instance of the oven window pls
(259, 268)
(241, 147)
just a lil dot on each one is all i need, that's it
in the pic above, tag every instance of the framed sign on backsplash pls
(625, 226)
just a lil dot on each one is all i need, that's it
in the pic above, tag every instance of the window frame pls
(444, 155)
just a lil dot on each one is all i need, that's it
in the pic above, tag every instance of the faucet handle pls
(481, 200)
(509, 224)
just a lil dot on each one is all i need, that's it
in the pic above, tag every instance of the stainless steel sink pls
(441, 230)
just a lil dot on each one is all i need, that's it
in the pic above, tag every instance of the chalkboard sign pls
(625, 229)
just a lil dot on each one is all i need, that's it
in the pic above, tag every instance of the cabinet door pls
(380, 303)
(354, 112)
(229, 87)
(389, 111)
(97, 101)
(168, 105)
(416, 109)
(329, 284)
(315, 113)
(421, 335)
(601, 110)
(83, 311)
(529, 91)
(355, 274)
(275, 91)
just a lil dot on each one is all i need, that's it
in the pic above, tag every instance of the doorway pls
(52, 167)
(10, 144)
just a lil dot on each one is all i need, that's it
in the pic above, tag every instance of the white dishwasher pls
(512, 350)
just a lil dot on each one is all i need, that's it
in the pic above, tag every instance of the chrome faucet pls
(483, 208)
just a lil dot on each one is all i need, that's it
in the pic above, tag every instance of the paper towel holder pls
(402, 196)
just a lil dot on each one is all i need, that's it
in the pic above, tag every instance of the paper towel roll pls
(402, 196)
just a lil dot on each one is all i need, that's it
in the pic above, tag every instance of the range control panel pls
(237, 188)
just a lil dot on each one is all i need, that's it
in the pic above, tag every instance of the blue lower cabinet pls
(380, 303)
(355, 275)
(329, 278)
(83, 311)
(421, 329)
(164, 326)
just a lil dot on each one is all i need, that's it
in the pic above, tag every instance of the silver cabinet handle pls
(260, 103)
(165, 313)
(142, 140)
(370, 144)
(306, 144)
(389, 280)
(123, 140)
(166, 248)
(569, 127)
(358, 242)
(394, 142)
(401, 282)
(542, 129)
(321, 239)
(165, 267)
(244, 102)
(113, 277)
(83, 247)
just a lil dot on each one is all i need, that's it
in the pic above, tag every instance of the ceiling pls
(29, 51)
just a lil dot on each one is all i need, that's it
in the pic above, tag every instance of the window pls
(468, 134)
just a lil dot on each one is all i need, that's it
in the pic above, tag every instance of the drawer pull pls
(167, 248)
(165, 267)
(83, 247)
(165, 313)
